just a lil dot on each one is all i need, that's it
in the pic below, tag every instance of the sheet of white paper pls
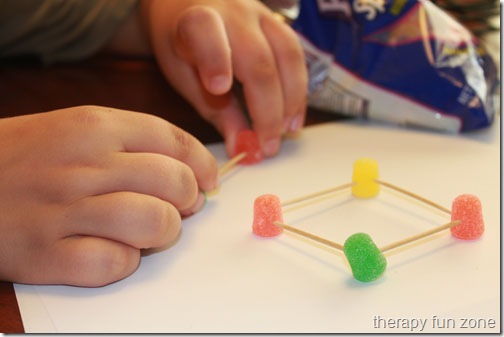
(219, 277)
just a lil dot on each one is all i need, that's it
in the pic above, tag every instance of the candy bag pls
(402, 61)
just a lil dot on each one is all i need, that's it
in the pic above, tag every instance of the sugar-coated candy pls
(248, 142)
(267, 210)
(366, 260)
(365, 171)
(467, 209)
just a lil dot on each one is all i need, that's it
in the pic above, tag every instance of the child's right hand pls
(202, 46)
(83, 190)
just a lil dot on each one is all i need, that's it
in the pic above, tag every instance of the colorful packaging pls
(401, 61)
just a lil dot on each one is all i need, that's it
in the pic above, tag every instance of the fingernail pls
(271, 147)
(287, 125)
(200, 203)
(296, 124)
(219, 84)
(211, 193)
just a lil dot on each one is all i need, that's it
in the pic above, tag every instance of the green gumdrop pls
(365, 258)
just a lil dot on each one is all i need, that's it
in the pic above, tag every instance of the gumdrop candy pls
(248, 142)
(366, 260)
(467, 209)
(267, 210)
(364, 174)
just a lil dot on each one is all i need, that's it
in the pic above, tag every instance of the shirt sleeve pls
(59, 30)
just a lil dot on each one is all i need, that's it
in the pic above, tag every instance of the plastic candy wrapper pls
(402, 61)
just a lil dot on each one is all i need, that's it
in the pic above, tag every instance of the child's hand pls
(82, 190)
(202, 45)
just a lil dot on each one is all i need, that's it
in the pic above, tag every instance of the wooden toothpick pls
(225, 168)
(310, 236)
(413, 195)
(231, 163)
(316, 194)
(413, 238)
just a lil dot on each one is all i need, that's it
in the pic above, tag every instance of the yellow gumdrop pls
(364, 174)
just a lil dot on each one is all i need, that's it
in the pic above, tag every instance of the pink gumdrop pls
(248, 142)
(467, 209)
(267, 210)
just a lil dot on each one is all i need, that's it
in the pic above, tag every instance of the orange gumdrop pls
(248, 142)
(267, 210)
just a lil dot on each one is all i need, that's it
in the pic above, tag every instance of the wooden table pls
(131, 84)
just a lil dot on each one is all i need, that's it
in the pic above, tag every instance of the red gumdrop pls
(267, 210)
(248, 142)
(467, 209)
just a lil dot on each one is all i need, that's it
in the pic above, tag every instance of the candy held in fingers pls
(366, 260)
(248, 142)
(364, 174)
(466, 208)
(267, 211)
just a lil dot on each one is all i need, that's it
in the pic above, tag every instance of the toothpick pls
(310, 236)
(316, 194)
(419, 236)
(413, 195)
(226, 167)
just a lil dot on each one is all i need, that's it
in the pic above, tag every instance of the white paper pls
(220, 277)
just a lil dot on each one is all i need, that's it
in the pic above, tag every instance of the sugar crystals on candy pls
(267, 210)
(366, 260)
(248, 142)
(467, 209)
(364, 174)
